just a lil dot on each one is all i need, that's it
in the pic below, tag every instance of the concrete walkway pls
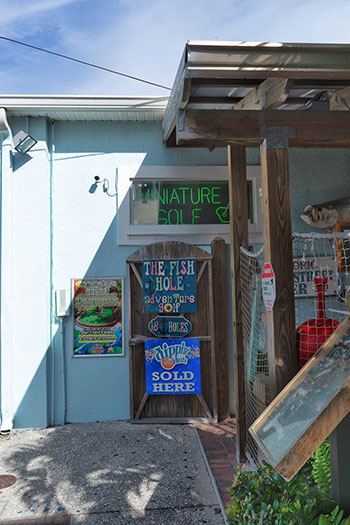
(107, 473)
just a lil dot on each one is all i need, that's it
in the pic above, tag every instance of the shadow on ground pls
(110, 472)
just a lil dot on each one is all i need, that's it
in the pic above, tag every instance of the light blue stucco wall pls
(63, 231)
(80, 241)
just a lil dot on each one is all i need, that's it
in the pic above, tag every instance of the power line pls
(85, 63)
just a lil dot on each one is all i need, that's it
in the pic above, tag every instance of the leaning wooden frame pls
(309, 408)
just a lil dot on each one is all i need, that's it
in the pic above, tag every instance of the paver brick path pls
(219, 444)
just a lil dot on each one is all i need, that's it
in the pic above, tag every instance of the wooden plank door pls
(171, 407)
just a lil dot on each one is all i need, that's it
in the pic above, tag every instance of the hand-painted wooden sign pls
(169, 326)
(169, 286)
(308, 408)
(173, 366)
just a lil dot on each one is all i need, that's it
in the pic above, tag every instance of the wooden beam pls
(278, 251)
(239, 236)
(218, 250)
(301, 83)
(340, 100)
(271, 92)
(304, 128)
(234, 100)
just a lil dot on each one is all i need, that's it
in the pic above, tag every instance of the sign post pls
(340, 464)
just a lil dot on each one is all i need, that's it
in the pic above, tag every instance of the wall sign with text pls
(173, 366)
(306, 269)
(170, 326)
(183, 202)
(169, 286)
(98, 317)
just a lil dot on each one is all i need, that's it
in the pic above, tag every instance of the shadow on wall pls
(97, 387)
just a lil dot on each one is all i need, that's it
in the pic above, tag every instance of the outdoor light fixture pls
(23, 142)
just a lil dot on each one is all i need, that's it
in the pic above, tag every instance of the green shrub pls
(321, 468)
(335, 517)
(264, 497)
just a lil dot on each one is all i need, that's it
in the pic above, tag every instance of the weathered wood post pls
(340, 464)
(239, 237)
(278, 251)
(218, 250)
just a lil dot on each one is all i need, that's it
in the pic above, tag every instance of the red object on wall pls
(314, 332)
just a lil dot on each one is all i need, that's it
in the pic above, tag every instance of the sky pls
(143, 38)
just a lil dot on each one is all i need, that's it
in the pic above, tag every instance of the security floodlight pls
(23, 142)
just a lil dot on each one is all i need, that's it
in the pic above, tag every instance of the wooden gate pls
(170, 407)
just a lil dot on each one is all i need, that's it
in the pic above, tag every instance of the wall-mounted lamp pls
(23, 142)
(105, 185)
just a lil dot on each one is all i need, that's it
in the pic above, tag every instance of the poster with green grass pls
(98, 317)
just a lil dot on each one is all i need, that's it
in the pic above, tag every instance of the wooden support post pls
(278, 251)
(218, 251)
(239, 236)
(340, 464)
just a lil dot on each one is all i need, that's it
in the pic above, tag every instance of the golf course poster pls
(98, 317)
(173, 366)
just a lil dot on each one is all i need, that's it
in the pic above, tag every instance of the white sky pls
(144, 38)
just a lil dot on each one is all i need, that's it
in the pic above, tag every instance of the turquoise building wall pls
(62, 230)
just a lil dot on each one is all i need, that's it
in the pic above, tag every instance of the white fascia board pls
(82, 101)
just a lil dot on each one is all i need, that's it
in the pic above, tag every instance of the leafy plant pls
(335, 517)
(264, 497)
(321, 469)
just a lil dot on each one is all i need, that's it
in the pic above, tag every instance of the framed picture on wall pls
(98, 317)
(343, 246)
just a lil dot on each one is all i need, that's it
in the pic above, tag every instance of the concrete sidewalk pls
(107, 473)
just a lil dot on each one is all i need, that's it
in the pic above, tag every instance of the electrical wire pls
(84, 63)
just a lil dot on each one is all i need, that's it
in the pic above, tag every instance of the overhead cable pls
(85, 63)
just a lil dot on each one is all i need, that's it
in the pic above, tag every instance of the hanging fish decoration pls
(327, 214)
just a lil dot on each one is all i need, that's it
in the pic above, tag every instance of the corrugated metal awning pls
(220, 76)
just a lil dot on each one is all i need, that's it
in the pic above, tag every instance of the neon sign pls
(182, 202)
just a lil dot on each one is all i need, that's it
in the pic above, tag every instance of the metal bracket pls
(276, 136)
(181, 120)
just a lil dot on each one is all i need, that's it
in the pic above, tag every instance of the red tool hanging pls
(314, 332)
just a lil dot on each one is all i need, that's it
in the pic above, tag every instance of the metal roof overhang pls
(85, 108)
(215, 78)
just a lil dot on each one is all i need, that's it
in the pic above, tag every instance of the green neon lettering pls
(198, 196)
(194, 216)
(205, 193)
(157, 195)
(178, 216)
(162, 219)
(215, 195)
(183, 194)
(174, 196)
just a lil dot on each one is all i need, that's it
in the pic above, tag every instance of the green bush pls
(264, 497)
(321, 468)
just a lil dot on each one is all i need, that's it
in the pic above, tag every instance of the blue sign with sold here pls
(169, 286)
(173, 366)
